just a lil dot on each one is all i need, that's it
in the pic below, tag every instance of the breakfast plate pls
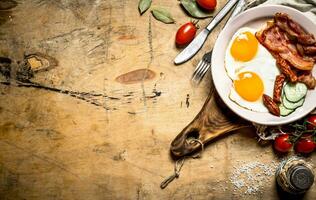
(256, 19)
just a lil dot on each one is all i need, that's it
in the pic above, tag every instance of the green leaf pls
(143, 5)
(162, 15)
(193, 9)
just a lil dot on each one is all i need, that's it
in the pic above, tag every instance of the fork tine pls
(198, 66)
(202, 67)
(206, 70)
(198, 71)
(201, 72)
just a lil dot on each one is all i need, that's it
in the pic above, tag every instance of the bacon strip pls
(295, 52)
(271, 105)
(292, 28)
(286, 69)
(307, 39)
(276, 40)
(300, 49)
(297, 61)
(310, 50)
(278, 85)
(308, 80)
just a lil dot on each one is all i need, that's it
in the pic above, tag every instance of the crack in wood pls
(151, 58)
(21, 74)
(85, 96)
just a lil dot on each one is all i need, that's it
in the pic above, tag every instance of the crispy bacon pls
(278, 85)
(285, 68)
(281, 20)
(276, 40)
(271, 105)
(282, 64)
(305, 42)
(308, 79)
(307, 39)
(310, 50)
(300, 49)
(294, 50)
(293, 29)
(297, 61)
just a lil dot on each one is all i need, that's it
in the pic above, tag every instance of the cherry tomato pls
(311, 125)
(207, 4)
(305, 145)
(185, 34)
(282, 143)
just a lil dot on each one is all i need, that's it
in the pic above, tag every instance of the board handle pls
(214, 120)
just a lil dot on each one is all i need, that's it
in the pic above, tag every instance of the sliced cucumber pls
(294, 92)
(284, 111)
(292, 105)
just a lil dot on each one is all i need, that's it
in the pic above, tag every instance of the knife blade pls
(199, 40)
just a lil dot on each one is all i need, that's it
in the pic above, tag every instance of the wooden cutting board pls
(214, 120)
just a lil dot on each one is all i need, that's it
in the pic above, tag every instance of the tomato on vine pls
(311, 122)
(305, 145)
(282, 143)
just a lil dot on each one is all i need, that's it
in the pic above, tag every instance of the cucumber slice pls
(284, 111)
(292, 105)
(294, 92)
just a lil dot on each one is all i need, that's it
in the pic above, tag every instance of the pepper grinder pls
(295, 175)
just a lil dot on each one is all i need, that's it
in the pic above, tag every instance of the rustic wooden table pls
(79, 120)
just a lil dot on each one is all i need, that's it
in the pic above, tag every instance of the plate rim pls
(252, 16)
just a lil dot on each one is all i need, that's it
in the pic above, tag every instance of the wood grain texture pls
(72, 131)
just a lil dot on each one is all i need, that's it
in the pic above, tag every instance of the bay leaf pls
(162, 15)
(143, 5)
(193, 9)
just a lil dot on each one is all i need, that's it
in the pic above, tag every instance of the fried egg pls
(243, 48)
(252, 81)
(252, 70)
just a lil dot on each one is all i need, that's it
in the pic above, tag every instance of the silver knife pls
(199, 40)
(238, 9)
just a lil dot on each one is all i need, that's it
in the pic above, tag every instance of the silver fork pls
(204, 65)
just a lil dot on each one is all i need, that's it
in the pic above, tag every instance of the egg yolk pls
(244, 47)
(249, 86)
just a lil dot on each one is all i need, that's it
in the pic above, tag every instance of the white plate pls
(256, 18)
